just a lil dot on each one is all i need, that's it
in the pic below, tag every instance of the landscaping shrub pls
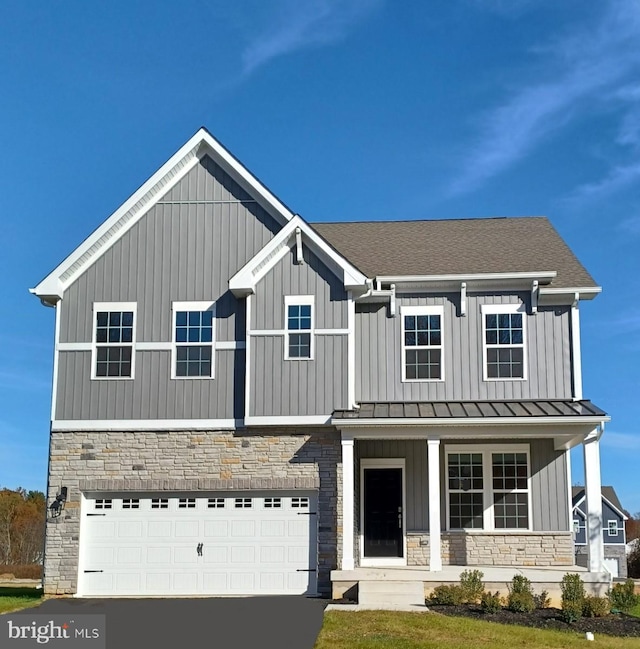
(542, 600)
(622, 596)
(633, 560)
(491, 602)
(573, 596)
(450, 595)
(596, 606)
(520, 599)
(471, 585)
(27, 571)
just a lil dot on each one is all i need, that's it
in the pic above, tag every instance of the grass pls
(393, 630)
(14, 599)
(635, 610)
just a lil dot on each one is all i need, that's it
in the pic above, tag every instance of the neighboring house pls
(245, 403)
(613, 533)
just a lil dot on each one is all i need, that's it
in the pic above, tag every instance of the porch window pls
(193, 340)
(488, 489)
(422, 343)
(299, 321)
(114, 338)
(504, 342)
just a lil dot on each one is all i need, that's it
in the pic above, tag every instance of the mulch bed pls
(618, 624)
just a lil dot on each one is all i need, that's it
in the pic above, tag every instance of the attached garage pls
(244, 543)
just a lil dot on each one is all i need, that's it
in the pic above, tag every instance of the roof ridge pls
(434, 220)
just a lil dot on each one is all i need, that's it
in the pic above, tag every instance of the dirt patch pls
(618, 624)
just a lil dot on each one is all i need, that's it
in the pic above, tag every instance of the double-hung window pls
(503, 333)
(488, 488)
(422, 355)
(193, 340)
(612, 527)
(113, 340)
(299, 317)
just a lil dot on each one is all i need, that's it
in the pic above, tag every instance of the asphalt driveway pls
(216, 623)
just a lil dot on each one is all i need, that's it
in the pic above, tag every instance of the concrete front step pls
(388, 594)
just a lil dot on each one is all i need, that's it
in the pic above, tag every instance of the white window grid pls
(299, 502)
(103, 503)
(215, 503)
(130, 503)
(192, 307)
(186, 503)
(299, 301)
(96, 346)
(243, 503)
(465, 482)
(488, 492)
(498, 310)
(159, 503)
(612, 527)
(428, 345)
(272, 503)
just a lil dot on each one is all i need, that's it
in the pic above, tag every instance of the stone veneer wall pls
(526, 549)
(190, 461)
(611, 551)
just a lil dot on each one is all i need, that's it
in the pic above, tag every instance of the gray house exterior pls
(245, 403)
(613, 530)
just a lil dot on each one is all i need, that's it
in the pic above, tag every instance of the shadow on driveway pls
(215, 623)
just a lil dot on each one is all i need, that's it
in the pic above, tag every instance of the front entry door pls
(383, 533)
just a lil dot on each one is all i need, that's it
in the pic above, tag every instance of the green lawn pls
(635, 610)
(13, 599)
(392, 630)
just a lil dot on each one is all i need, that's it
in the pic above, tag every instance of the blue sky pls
(346, 109)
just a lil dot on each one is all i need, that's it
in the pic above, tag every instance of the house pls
(247, 403)
(613, 532)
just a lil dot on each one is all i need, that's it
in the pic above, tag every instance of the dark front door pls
(383, 513)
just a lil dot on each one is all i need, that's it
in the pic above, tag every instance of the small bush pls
(622, 596)
(520, 599)
(491, 602)
(471, 585)
(573, 596)
(542, 600)
(596, 607)
(633, 560)
(449, 595)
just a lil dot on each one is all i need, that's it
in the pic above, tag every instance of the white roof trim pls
(615, 509)
(246, 279)
(563, 294)
(134, 208)
(480, 277)
(463, 421)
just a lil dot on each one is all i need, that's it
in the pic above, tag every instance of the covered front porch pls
(428, 490)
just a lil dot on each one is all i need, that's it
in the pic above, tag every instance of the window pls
(576, 526)
(422, 343)
(488, 489)
(186, 503)
(504, 339)
(300, 503)
(272, 503)
(193, 340)
(114, 337)
(299, 322)
(103, 503)
(159, 503)
(215, 503)
(243, 503)
(612, 528)
(131, 503)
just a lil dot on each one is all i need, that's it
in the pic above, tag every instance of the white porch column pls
(593, 494)
(433, 468)
(347, 503)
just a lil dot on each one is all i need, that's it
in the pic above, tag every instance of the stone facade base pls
(526, 549)
(611, 551)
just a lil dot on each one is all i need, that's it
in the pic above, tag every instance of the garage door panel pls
(252, 543)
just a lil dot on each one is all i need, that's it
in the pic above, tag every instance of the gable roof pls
(608, 494)
(51, 288)
(457, 247)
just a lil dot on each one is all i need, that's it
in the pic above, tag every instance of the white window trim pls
(113, 306)
(488, 522)
(488, 309)
(302, 300)
(208, 305)
(384, 463)
(609, 531)
(422, 310)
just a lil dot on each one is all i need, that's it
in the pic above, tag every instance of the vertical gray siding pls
(379, 353)
(282, 387)
(415, 454)
(177, 252)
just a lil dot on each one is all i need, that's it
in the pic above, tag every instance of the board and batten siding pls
(184, 249)
(379, 353)
(280, 387)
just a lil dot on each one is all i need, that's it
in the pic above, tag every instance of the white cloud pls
(582, 68)
(303, 24)
(618, 178)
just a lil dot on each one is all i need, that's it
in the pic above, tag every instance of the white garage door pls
(612, 566)
(186, 544)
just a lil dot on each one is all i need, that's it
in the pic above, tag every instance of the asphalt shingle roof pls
(462, 246)
(607, 491)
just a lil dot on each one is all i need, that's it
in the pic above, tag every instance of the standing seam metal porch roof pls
(471, 409)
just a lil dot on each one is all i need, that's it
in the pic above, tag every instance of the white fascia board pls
(291, 420)
(467, 421)
(141, 201)
(541, 276)
(246, 279)
(549, 295)
(127, 425)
